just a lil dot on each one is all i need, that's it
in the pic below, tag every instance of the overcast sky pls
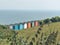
(30, 4)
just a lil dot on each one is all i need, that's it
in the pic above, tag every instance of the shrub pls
(40, 43)
(51, 38)
(36, 35)
(11, 43)
(3, 27)
(33, 39)
(38, 32)
(58, 44)
(39, 28)
(31, 43)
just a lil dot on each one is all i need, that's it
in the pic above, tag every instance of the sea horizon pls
(17, 16)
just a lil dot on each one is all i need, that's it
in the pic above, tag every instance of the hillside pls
(49, 34)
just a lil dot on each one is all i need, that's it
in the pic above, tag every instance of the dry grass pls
(28, 34)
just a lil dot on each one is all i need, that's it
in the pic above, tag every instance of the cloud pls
(30, 4)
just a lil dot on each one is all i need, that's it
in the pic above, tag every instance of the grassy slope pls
(46, 30)
(4, 35)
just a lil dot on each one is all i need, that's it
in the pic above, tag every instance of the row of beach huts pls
(24, 25)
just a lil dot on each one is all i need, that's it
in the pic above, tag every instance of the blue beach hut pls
(15, 27)
(21, 26)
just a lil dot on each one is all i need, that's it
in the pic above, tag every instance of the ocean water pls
(17, 16)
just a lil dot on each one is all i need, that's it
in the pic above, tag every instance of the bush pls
(39, 28)
(33, 39)
(46, 20)
(51, 38)
(38, 32)
(31, 43)
(36, 35)
(11, 43)
(3, 27)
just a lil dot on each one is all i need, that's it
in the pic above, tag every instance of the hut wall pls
(11, 27)
(21, 26)
(29, 25)
(36, 23)
(32, 24)
(16, 27)
(25, 25)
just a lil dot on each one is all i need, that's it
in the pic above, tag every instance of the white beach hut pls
(11, 26)
(25, 25)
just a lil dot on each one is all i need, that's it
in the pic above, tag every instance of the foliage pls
(31, 43)
(48, 20)
(33, 39)
(51, 38)
(3, 27)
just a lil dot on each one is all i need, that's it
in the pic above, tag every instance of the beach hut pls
(32, 23)
(29, 25)
(36, 23)
(11, 26)
(21, 26)
(25, 25)
(15, 27)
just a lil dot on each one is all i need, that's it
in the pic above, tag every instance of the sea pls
(17, 16)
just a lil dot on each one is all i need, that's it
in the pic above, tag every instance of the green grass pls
(30, 33)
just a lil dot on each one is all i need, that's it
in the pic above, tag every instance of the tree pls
(3, 26)
(46, 20)
(41, 22)
(55, 19)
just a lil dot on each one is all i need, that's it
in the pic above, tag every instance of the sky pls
(15, 11)
(30, 4)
